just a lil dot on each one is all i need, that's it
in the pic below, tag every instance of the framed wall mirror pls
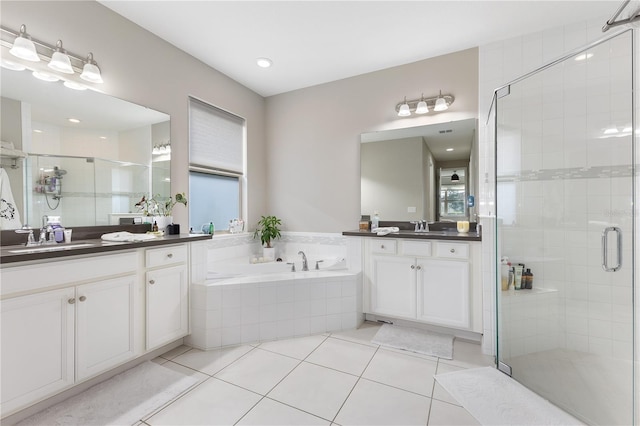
(89, 156)
(403, 172)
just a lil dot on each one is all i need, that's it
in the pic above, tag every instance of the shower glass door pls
(564, 195)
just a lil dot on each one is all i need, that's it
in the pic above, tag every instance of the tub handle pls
(318, 264)
(293, 266)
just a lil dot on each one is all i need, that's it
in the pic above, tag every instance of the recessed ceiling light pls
(73, 120)
(103, 137)
(264, 62)
(37, 131)
(449, 149)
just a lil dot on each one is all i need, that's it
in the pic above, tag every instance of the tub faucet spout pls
(305, 265)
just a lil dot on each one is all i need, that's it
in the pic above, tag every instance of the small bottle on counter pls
(154, 228)
(527, 279)
(364, 223)
(375, 222)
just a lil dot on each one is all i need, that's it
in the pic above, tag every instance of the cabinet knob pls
(413, 266)
(452, 250)
(382, 246)
(152, 282)
(418, 267)
(72, 301)
(83, 298)
(170, 255)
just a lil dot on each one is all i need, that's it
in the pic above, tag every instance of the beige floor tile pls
(363, 334)
(210, 362)
(258, 371)
(468, 355)
(402, 371)
(298, 348)
(213, 402)
(317, 390)
(269, 412)
(448, 414)
(438, 391)
(373, 403)
(342, 355)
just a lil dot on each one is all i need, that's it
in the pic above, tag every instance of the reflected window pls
(453, 194)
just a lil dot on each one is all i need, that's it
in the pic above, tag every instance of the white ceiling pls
(314, 42)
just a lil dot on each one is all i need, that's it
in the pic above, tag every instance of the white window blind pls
(215, 138)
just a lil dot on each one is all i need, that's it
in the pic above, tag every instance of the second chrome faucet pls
(305, 265)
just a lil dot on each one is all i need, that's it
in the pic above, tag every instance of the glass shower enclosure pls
(565, 172)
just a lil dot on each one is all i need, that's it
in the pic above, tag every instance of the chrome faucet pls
(421, 226)
(305, 265)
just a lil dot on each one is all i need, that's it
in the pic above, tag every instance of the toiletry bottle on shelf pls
(518, 276)
(211, 228)
(375, 222)
(528, 282)
(504, 273)
(154, 228)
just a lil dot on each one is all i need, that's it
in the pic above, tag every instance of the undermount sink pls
(38, 249)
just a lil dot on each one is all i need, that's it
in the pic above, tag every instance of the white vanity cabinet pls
(52, 339)
(429, 281)
(167, 294)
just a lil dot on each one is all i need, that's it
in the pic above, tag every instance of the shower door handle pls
(605, 249)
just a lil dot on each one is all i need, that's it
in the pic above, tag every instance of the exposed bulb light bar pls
(424, 105)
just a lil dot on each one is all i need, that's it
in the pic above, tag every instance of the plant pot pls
(162, 221)
(269, 253)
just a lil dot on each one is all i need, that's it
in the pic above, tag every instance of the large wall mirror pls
(89, 156)
(405, 174)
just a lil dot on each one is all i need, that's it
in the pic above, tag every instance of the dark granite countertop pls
(431, 235)
(85, 241)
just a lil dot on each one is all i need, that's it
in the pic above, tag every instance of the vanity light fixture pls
(60, 61)
(404, 110)
(57, 59)
(23, 47)
(441, 104)
(90, 70)
(424, 105)
(161, 149)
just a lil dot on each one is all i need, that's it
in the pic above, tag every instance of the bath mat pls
(494, 398)
(415, 340)
(123, 399)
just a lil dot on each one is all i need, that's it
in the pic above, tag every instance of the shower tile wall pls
(594, 317)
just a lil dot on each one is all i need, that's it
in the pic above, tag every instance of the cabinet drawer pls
(168, 255)
(381, 246)
(453, 250)
(416, 248)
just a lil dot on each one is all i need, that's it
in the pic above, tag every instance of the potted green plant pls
(268, 230)
(159, 209)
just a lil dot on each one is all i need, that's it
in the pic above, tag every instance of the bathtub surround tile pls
(214, 402)
(341, 355)
(317, 390)
(373, 403)
(258, 371)
(231, 335)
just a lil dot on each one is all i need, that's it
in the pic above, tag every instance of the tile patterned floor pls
(338, 378)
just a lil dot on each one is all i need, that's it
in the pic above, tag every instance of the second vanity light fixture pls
(424, 105)
(24, 47)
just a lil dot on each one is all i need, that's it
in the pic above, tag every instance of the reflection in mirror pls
(400, 170)
(90, 170)
(453, 194)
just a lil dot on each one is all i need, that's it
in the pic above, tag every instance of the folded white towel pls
(127, 237)
(9, 214)
(386, 230)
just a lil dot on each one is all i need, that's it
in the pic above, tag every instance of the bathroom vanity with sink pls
(423, 278)
(72, 314)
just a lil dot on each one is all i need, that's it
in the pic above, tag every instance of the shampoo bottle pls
(518, 277)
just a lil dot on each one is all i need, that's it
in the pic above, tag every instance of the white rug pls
(494, 398)
(124, 399)
(415, 340)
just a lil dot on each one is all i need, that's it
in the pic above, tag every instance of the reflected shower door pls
(564, 194)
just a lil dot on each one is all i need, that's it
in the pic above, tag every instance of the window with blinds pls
(216, 166)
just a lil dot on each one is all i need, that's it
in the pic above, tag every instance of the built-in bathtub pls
(241, 302)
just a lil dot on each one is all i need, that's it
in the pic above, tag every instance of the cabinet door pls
(443, 292)
(393, 286)
(104, 325)
(167, 305)
(37, 347)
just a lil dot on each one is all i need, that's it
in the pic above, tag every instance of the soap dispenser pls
(375, 222)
